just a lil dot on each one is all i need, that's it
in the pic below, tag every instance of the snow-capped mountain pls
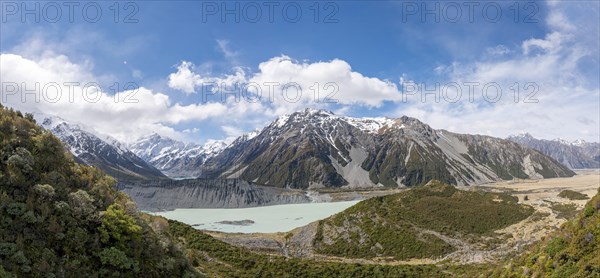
(315, 148)
(103, 152)
(575, 155)
(174, 158)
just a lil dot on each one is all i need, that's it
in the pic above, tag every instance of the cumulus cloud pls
(562, 91)
(335, 79)
(188, 81)
(55, 85)
(284, 84)
(552, 43)
(184, 79)
(232, 131)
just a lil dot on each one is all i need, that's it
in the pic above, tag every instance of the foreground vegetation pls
(408, 224)
(218, 259)
(59, 218)
(564, 211)
(573, 251)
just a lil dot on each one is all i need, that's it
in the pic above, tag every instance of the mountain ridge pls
(575, 155)
(174, 158)
(315, 148)
(104, 152)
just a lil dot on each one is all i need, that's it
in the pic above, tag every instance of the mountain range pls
(316, 148)
(106, 153)
(174, 158)
(575, 155)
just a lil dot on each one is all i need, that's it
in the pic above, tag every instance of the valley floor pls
(550, 212)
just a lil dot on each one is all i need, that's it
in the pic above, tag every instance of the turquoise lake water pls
(269, 219)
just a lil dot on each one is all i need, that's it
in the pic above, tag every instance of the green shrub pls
(116, 258)
(565, 211)
(45, 191)
(554, 246)
(16, 209)
(572, 195)
(118, 228)
(7, 248)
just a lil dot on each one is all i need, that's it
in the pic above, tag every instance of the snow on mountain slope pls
(316, 148)
(575, 155)
(103, 152)
(174, 158)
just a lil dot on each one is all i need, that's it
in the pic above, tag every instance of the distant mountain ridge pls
(315, 148)
(105, 153)
(575, 155)
(174, 158)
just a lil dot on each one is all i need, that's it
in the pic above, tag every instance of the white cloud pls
(184, 79)
(568, 94)
(350, 87)
(552, 43)
(125, 115)
(191, 130)
(498, 50)
(230, 55)
(232, 131)
(440, 69)
(189, 82)
(137, 74)
(287, 85)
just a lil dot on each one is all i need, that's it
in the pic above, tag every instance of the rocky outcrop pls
(204, 193)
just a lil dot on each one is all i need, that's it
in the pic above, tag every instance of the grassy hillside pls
(573, 251)
(417, 223)
(218, 259)
(59, 218)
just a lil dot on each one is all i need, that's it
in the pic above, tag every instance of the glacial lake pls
(269, 219)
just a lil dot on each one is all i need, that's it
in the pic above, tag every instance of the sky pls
(202, 70)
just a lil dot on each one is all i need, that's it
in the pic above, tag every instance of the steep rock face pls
(315, 148)
(575, 155)
(174, 158)
(590, 149)
(407, 154)
(510, 160)
(165, 195)
(105, 153)
(298, 151)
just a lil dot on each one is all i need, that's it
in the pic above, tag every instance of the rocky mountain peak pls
(99, 150)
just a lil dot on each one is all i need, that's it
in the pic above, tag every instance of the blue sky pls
(370, 49)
